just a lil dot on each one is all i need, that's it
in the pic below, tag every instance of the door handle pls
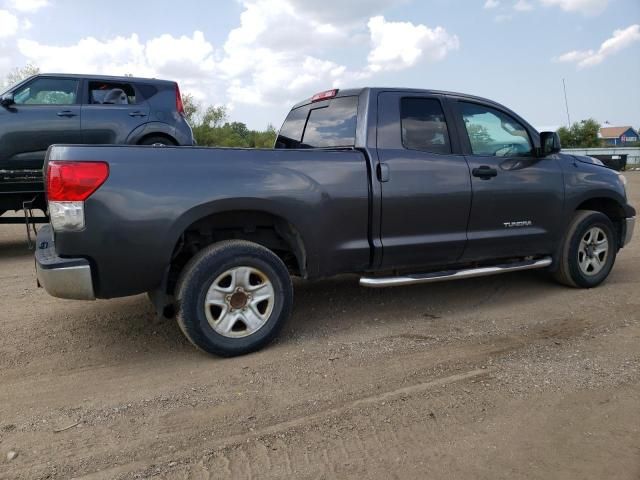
(137, 114)
(485, 172)
(382, 171)
(66, 113)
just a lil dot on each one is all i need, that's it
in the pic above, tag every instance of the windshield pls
(326, 124)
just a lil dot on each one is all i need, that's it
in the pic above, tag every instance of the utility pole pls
(566, 103)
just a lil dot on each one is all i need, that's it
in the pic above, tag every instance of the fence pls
(632, 153)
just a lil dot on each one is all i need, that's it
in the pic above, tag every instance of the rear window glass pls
(315, 126)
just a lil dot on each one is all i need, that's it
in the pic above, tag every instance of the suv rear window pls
(326, 125)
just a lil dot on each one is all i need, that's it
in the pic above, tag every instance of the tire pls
(233, 297)
(574, 256)
(157, 141)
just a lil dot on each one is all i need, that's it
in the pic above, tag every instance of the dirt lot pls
(503, 377)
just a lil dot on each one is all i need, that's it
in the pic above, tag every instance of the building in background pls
(618, 136)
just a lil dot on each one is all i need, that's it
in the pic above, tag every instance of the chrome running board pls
(379, 282)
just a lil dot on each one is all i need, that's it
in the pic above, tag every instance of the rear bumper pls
(628, 228)
(61, 277)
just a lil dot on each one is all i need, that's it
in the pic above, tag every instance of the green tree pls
(19, 74)
(191, 108)
(210, 127)
(582, 134)
(214, 116)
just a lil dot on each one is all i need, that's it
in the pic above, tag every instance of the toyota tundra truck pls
(398, 186)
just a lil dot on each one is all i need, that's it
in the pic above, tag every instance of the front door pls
(426, 190)
(516, 195)
(46, 111)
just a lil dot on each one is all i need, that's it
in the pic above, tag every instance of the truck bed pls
(152, 195)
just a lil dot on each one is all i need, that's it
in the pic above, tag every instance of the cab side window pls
(494, 133)
(108, 93)
(424, 126)
(48, 91)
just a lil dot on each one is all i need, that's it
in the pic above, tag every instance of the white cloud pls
(587, 7)
(398, 45)
(620, 40)
(523, 6)
(28, 6)
(276, 53)
(273, 56)
(343, 11)
(9, 24)
(164, 55)
(281, 51)
(491, 4)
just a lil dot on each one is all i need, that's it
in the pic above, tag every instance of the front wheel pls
(588, 251)
(233, 297)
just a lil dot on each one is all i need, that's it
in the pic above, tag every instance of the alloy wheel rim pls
(593, 251)
(239, 302)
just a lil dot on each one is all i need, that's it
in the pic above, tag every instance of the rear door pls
(426, 190)
(46, 111)
(111, 111)
(517, 196)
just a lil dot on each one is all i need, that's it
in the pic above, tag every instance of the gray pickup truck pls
(398, 186)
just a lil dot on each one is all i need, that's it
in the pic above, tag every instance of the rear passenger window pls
(424, 126)
(107, 93)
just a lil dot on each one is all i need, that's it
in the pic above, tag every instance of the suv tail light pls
(179, 103)
(69, 184)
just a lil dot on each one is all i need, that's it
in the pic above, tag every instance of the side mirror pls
(7, 100)
(549, 143)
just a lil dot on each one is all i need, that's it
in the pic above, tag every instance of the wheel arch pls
(609, 206)
(243, 219)
(151, 129)
(160, 135)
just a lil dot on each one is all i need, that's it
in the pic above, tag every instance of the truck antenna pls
(566, 103)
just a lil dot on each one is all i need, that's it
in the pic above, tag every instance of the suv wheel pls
(157, 142)
(233, 297)
(588, 251)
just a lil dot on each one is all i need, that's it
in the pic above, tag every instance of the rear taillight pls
(179, 103)
(74, 181)
(69, 184)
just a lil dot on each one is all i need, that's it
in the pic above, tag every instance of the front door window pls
(47, 91)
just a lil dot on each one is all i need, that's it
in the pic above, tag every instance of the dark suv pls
(82, 109)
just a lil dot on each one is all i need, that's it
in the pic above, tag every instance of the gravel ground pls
(501, 377)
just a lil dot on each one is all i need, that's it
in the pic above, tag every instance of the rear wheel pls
(157, 141)
(588, 252)
(233, 298)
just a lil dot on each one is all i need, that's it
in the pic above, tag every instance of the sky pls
(258, 57)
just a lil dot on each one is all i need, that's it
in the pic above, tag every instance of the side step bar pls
(379, 282)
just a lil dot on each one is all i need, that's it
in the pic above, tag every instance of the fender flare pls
(295, 235)
(150, 128)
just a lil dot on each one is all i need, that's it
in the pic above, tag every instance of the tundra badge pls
(522, 223)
